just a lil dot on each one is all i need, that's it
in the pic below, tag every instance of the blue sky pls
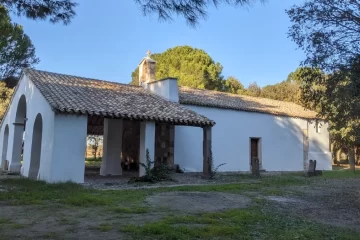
(107, 41)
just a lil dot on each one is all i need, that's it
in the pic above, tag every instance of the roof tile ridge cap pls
(85, 78)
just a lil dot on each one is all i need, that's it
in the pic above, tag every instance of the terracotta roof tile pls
(243, 103)
(78, 95)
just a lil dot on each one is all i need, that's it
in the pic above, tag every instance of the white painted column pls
(111, 161)
(15, 164)
(147, 141)
(68, 154)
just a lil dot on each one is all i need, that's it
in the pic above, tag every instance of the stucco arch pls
(36, 147)
(19, 128)
(5, 146)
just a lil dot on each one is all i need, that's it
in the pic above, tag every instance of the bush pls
(153, 175)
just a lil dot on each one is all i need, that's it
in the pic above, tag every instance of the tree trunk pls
(351, 152)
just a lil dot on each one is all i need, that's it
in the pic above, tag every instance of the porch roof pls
(78, 95)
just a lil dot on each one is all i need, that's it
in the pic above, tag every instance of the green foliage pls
(64, 10)
(248, 223)
(153, 174)
(328, 31)
(283, 91)
(5, 97)
(94, 141)
(254, 90)
(16, 49)
(233, 85)
(191, 10)
(54, 10)
(191, 66)
(212, 168)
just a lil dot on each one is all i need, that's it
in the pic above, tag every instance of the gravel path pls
(178, 179)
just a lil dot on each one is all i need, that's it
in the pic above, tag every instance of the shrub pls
(153, 174)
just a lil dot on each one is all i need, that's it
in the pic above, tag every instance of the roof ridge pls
(85, 78)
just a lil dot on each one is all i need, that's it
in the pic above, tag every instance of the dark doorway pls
(255, 152)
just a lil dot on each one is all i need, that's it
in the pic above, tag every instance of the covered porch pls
(124, 145)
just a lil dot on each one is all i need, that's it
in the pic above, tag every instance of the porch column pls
(147, 142)
(112, 144)
(207, 164)
(15, 164)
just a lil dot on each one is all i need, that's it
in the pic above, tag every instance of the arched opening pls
(36, 148)
(4, 149)
(19, 128)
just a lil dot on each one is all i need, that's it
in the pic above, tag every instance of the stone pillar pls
(112, 145)
(15, 164)
(147, 142)
(207, 148)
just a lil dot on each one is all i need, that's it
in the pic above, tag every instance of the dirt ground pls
(332, 202)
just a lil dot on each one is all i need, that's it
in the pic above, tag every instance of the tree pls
(254, 89)
(283, 91)
(233, 85)
(5, 97)
(337, 101)
(54, 10)
(16, 49)
(193, 67)
(94, 142)
(191, 10)
(64, 10)
(328, 32)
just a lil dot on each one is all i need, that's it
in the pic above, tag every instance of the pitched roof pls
(243, 103)
(78, 95)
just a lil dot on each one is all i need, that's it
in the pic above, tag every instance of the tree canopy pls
(233, 85)
(329, 33)
(327, 30)
(193, 67)
(64, 10)
(16, 49)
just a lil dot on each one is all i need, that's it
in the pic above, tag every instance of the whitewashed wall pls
(35, 103)
(68, 163)
(281, 141)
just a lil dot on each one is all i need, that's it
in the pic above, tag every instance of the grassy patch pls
(236, 224)
(343, 173)
(103, 227)
(5, 221)
(129, 210)
(17, 225)
(51, 235)
(26, 192)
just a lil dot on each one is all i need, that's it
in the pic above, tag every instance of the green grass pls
(5, 221)
(26, 192)
(17, 226)
(236, 224)
(129, 210)
(103, 227)
(342, 173)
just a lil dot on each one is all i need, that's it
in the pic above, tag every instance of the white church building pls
(43, 132)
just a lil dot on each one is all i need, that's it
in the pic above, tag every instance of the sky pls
(108, 40)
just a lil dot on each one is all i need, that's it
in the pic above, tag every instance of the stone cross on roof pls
(148, 53)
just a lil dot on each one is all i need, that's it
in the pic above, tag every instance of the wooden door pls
(254, 148)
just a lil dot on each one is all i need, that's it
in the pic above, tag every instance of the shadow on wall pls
(282, 140)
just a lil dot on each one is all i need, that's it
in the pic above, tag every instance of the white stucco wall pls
(35, 103)
(68, 161)
(281, 141)
(167, 88)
